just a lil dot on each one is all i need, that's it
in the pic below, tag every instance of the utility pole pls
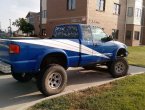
(0, 27)
(10, 27)
(40, 17)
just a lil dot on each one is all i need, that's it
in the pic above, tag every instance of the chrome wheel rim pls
(119, 67)
(55, 80)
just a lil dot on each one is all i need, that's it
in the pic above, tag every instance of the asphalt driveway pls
(15, 95)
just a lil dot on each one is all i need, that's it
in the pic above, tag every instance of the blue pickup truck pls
(72, 45)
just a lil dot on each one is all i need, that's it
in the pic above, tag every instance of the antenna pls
(0, 26)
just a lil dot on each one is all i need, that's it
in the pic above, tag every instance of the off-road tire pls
(52, 80)
(22, 77)
(118, 68)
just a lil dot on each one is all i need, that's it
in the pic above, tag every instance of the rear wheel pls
(53, 80)
(22, 77)
(118, 68)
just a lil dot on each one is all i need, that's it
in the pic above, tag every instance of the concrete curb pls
(71, 91)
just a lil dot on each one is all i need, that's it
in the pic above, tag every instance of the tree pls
(24, 26)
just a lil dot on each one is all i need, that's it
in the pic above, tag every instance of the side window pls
(67, 31)
(128, 35)
(86, 31)
(136, 35)
(98, 33)
(130, 12)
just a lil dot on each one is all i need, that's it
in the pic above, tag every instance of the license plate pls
(5, 68)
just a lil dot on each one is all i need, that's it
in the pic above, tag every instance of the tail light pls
(14, 49)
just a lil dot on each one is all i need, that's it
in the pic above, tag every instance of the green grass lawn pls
(137, 56)
(124, 94)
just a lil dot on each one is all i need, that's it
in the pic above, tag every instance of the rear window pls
(66, 31)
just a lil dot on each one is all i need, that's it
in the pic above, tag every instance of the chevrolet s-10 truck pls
(72, 45)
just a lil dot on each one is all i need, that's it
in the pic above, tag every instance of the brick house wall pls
(36, 24)
(132, 28)
(60, 15)
(106, 19)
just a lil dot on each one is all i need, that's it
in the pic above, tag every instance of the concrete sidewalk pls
(16, 96)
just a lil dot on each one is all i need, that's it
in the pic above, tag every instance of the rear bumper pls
(24, 66)
(5, 68)
(29, 66)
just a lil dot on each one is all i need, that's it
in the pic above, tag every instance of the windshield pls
(98, 33)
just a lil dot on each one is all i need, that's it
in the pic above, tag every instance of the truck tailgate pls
(4, 50)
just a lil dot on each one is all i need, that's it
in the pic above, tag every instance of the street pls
(15, 95)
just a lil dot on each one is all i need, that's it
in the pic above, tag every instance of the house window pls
(136, 35)
(116, 9)
(115, 33)
(130, 12)
(138, 12)
(44, 14)
(101, 5)
(128, 35)
(31, 20)
(71, 4)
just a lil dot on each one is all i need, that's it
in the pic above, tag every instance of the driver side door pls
(99, 46)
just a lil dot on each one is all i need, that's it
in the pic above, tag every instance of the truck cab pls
(95, 46)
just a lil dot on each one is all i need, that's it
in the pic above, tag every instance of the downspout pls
(87, 12)
(40, 17)
(142, 25)
(125, 23)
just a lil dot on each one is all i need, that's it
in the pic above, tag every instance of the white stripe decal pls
(63, 44)
(3, 45)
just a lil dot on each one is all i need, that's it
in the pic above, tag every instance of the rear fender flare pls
(47, 52)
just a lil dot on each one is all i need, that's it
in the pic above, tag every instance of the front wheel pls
(22, 77)
(52, 81)
(118, 68)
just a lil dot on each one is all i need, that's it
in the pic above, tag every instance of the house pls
(34, 19)
(134, 15)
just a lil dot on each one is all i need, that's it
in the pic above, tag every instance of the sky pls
(14, 9)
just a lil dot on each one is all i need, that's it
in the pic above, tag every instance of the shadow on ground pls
(13, 92)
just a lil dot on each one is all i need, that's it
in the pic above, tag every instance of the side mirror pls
(52, 37)
(106, 39)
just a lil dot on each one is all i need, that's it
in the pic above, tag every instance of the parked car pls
(72, 45)
(2, 35)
